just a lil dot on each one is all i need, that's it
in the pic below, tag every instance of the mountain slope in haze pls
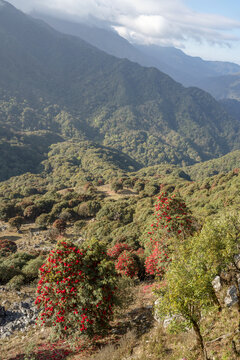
(139, 111)
(225, 86)
(188, 70)
(232, 106)
(102, 38)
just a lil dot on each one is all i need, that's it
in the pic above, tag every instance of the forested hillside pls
(61, 84)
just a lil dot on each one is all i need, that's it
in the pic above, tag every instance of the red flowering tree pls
(117, 249)
(76, 291)
(128, 262)
(157, 262)
(172, 219)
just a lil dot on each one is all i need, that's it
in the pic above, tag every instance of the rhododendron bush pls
(76, 291)
(157, 262)
(128, 262)
(172, 219)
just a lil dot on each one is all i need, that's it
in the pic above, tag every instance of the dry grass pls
(111, 194)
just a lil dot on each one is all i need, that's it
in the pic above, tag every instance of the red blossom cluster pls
(156, 263)
(127, 261)
(173, 219)
(117, 249)
(126, 264)
(76, 289)
(172, 216)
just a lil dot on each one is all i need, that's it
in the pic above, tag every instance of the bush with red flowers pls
(156, 263)
(127, 264)
(7, 247)
(117, 249)
(76, 292)
(173, 219)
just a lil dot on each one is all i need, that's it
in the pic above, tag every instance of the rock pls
(216, 283)
(155, 313)
(237, 260)
(167, 321)
(18, 318)
(231, 298)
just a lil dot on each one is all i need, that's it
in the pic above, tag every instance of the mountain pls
(213, 167)
(224, 86)
(188, 70)
(59, 83)
(104, 39)
(232, 106)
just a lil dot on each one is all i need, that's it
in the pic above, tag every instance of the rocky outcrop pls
(18, 317)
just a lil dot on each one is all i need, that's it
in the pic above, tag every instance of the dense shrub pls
(88, 209)
(120, 211)
(12, 266)
(31, 212)
(16, 222)
(127, 264)
(117, 185)
(78, 225)
(7, 247)
(158, 260)
(30, 270)
(151, 189)
(16, 282)
(76, 291)
(117, 249)
(57, 208)
(42, 220)
(7, 211)
(127, 261)
(60, 225)
(172, 219)
(7, 272)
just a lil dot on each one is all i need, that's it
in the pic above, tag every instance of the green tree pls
(17, 222)
(186, 293)
(218, 247)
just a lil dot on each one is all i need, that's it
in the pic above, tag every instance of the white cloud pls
(167, 22)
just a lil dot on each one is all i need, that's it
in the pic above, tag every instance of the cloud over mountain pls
(147, 21)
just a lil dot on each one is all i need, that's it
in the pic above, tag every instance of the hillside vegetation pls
(59, 83)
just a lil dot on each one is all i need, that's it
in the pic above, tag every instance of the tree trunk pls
(199, 339)
(235, 280)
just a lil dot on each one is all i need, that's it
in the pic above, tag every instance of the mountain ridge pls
(62, 83)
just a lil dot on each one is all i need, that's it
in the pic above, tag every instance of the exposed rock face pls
(17, 318)
(237, 260)
(231, 298)
(216, 283)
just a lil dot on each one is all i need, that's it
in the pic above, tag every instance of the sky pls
(206, 28)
